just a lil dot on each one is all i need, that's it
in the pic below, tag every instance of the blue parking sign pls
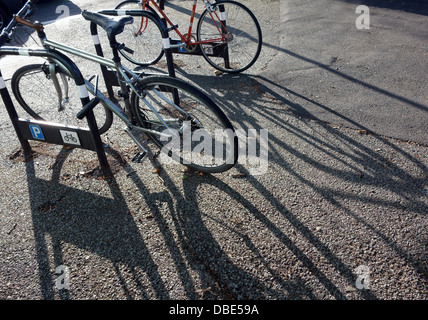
(36, 131)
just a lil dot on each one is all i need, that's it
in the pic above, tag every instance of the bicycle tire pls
(217, 148)
(34, 90)
(147, 44)
(244, 42)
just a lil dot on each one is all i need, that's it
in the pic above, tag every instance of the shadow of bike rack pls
(54, 133)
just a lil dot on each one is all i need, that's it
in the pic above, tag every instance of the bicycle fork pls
(53, 75)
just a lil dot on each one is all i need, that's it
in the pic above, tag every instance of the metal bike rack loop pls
(109, 77)
(49, 132)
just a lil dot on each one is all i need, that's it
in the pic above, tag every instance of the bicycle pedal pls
(139, 157)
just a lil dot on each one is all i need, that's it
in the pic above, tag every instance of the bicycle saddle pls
(113, 26)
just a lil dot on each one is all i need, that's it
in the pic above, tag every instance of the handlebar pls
(6, 33)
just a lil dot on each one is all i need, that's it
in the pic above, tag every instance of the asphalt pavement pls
(340, 213)
(334, 68)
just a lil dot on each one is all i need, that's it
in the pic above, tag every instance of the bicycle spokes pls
(234, 34)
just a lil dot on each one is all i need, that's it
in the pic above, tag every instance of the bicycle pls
(169, 111)
(228, 34)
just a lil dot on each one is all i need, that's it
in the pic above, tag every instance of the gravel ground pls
(339, 214)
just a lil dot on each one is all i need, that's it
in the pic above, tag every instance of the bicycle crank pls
(191, 48)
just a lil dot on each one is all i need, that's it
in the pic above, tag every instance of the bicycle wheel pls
(199, 136)
(143, 36)
(243, 36)
(35, 91)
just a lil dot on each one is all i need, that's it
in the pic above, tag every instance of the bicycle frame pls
(125, 77)
(187, 38)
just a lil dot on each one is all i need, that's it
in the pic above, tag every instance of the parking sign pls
(37, 132)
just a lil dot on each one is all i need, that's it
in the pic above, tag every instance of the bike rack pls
(109, 76)
(61, 134)
(53, 133)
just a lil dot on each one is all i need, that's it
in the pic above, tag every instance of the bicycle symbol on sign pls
(69, 138)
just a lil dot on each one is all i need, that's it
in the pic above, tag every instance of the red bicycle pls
(228, 34)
